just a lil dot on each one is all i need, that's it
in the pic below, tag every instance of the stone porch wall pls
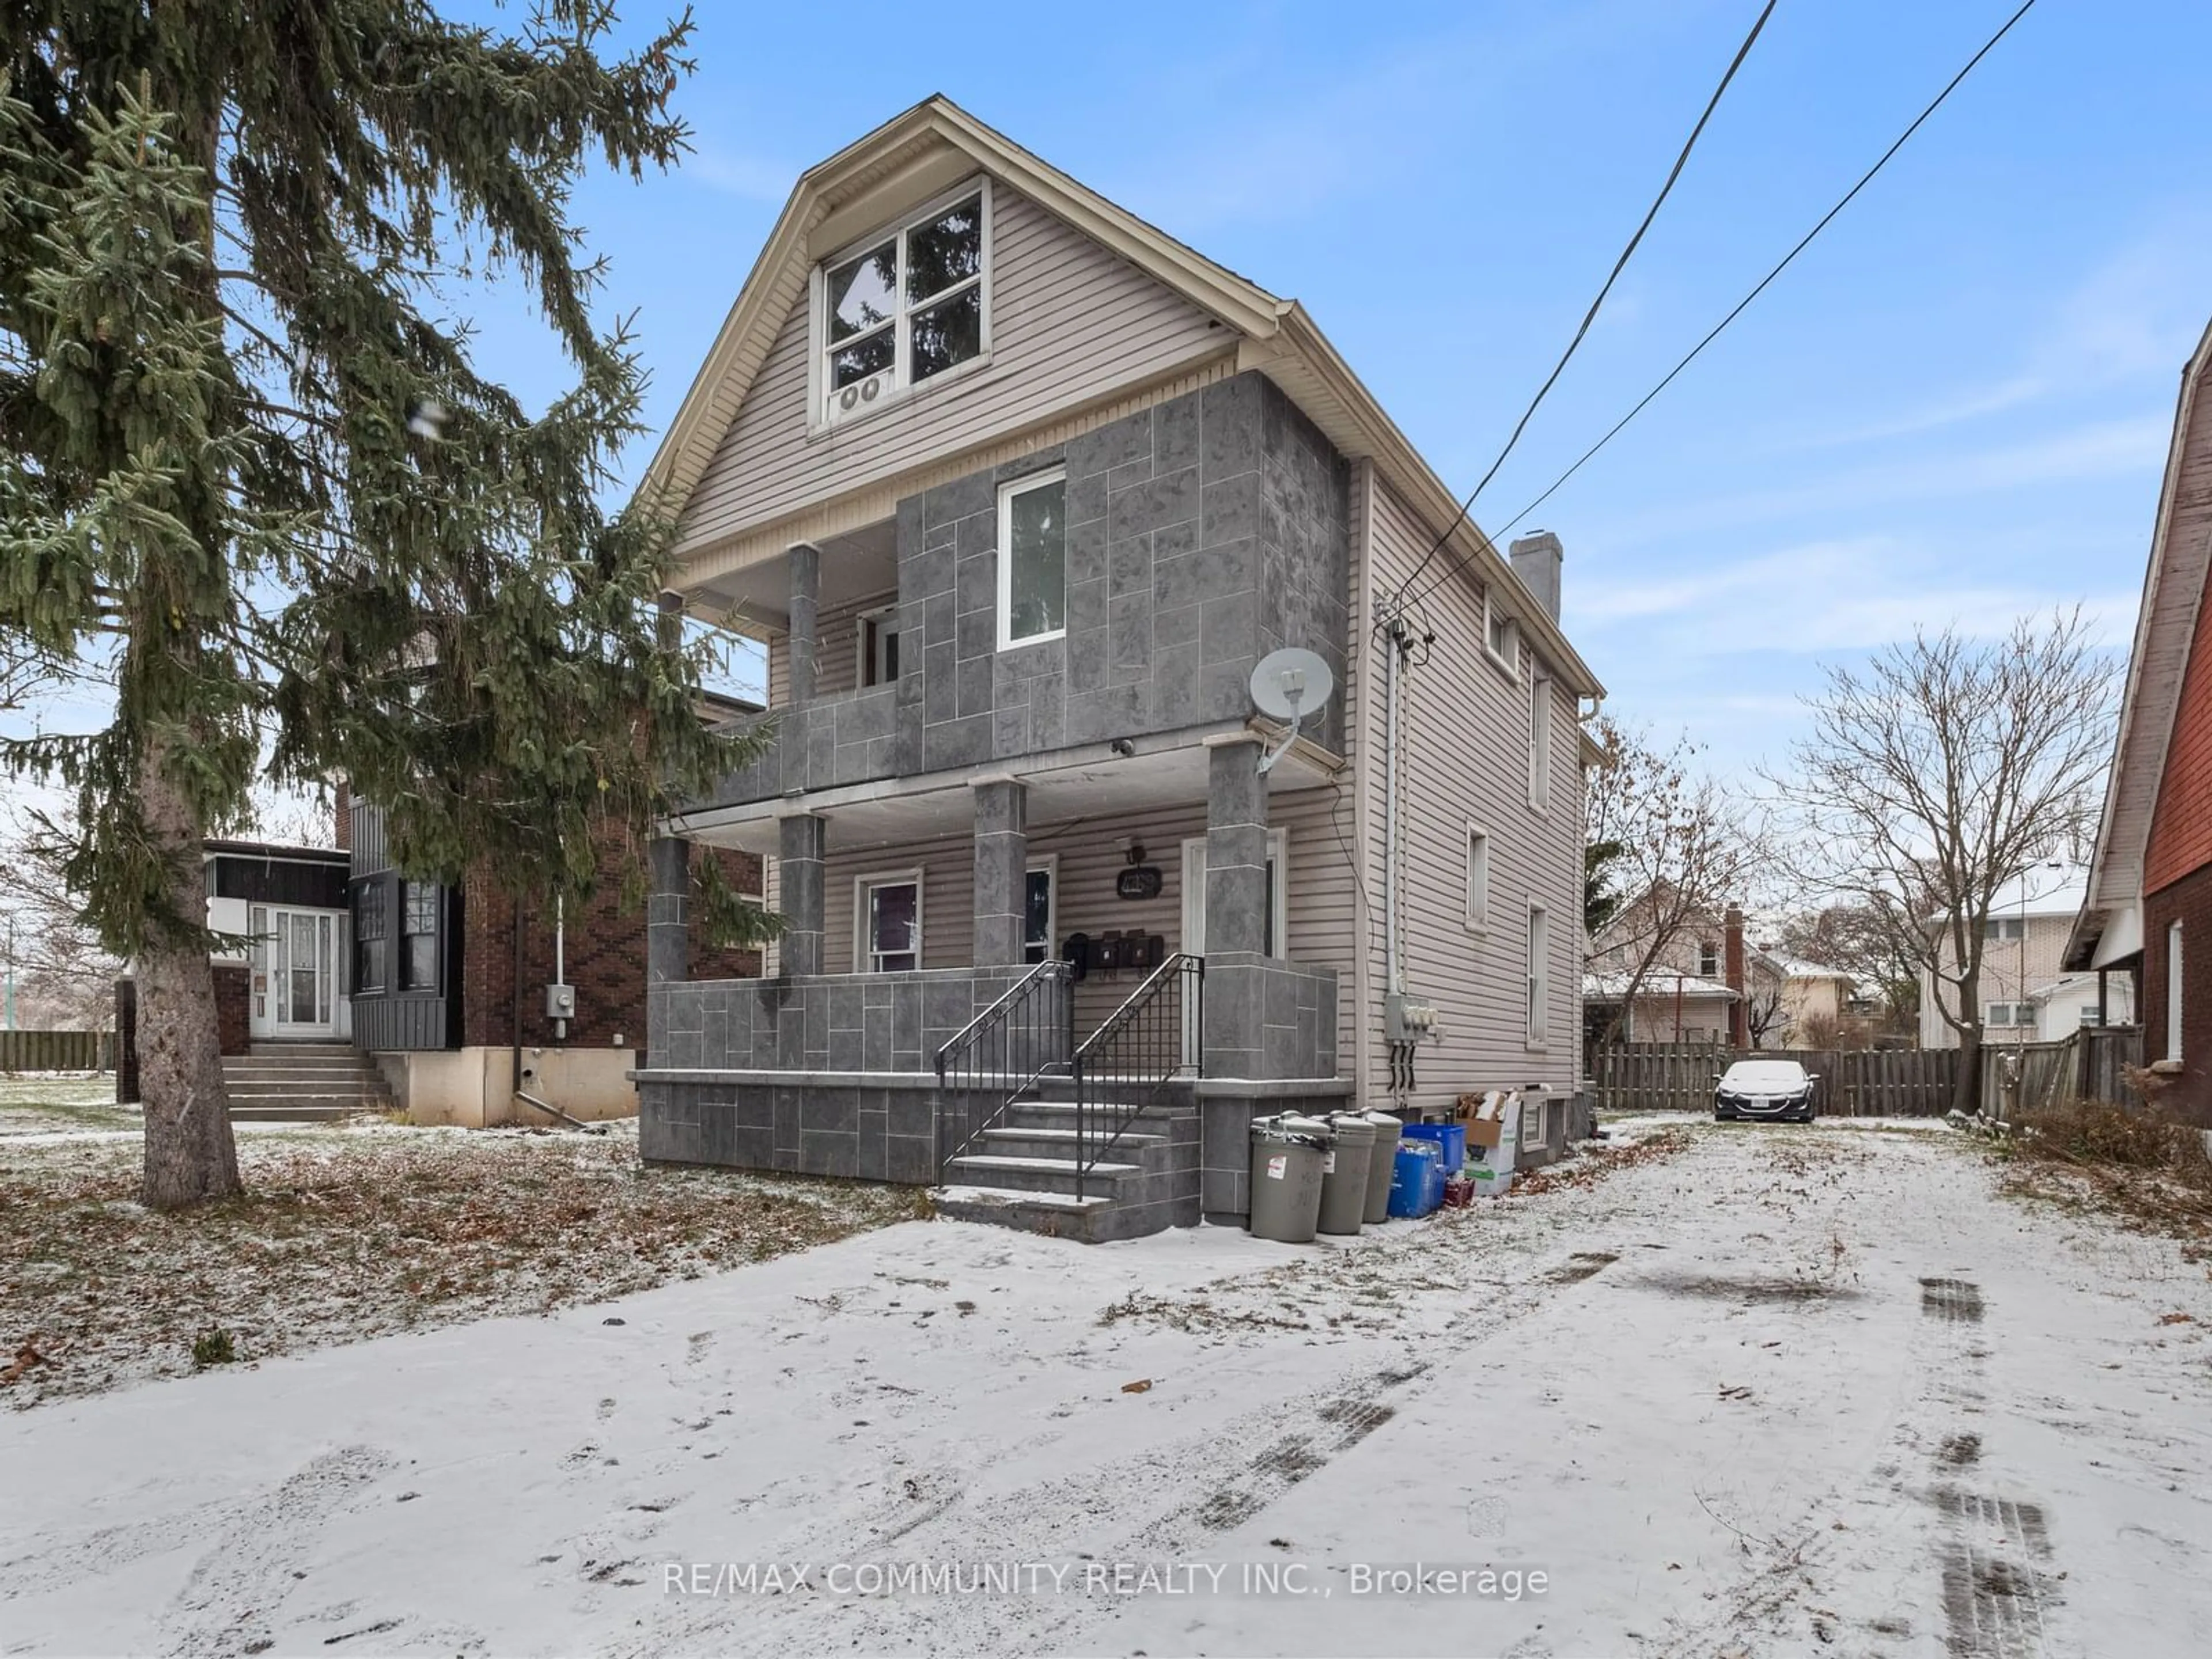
(1289, 1007)
(875, 1126)
(842, 1023)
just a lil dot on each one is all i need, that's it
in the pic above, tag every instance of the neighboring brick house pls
(448, 987)
(2147, 911)
(1020, 492)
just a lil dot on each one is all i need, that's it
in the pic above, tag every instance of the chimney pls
(1537, 558)
(1732, 960)
(342, 817)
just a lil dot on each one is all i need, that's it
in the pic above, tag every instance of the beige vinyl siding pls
(2000, 978)
(837, 651)
(1070, 323)
(1463, 756)
(1092, 854)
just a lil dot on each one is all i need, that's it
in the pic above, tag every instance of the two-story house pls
(1019, 492)
(2027, 993)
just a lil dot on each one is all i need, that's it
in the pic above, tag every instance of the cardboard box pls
(1484, 1132)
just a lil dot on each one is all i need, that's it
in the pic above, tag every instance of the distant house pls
(1704, 982)
(2147, 915)
(2024, 946)
(1815, 998)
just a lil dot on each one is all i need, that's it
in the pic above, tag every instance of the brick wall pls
(2181, 824)
(2188, 901)
(605, 958)
(341, 819)
(233, 1015)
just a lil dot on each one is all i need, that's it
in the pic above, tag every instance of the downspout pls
(1394, 630)
(514, 1011)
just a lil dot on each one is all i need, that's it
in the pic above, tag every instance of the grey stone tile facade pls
(1201, 534)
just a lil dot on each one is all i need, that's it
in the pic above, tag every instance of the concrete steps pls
(1021, 1172)
(302, 1083)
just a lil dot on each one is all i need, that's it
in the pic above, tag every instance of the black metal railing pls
(1127, 1064)
(1004, 1050)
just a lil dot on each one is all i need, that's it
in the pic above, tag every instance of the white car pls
(1780, 1090)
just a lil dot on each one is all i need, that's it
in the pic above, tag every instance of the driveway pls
(1786, 1391)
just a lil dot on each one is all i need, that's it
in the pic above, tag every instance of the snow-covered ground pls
(1788, 1391)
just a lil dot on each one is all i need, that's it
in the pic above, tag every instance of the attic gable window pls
(905, 307)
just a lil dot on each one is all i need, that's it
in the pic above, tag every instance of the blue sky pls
(1955, 407)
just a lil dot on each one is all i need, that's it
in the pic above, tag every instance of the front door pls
(1194, 923)
(294, 972)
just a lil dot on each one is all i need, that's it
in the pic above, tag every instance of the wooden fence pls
(57, 1051)
(2084, 1065)
(1852, 1081)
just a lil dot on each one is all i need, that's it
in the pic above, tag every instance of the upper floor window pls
(1478, 879)
(1033, 558)
(1709, 959)
(1501, 638)
(906, 309)
(1540, 742)
(2003, 927)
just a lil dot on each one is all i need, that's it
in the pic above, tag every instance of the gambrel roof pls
(936, 144)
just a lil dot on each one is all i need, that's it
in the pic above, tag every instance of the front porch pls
(1068, 1022)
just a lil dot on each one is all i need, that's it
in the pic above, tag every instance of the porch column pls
(668, 866)
(1002, 861)
(667, 904)
(798, 879)
(1233, 1037)
(1235, 849)
(806, 595)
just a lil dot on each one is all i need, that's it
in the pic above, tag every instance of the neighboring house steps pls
(1022, 1171)
(302, 1083)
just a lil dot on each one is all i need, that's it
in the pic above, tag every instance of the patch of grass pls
(213, 1347)
(347, 1233)
(2137, 1165)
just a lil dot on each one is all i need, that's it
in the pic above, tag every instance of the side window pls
(1478, 878)
(369, 923)
(418, 963)
(1539, 951)
(1540, 742)
(879, 646)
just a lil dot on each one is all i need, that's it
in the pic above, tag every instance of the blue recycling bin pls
(1450, 1139)
(1417, 1180)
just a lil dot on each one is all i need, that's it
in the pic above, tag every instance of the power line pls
(1591, 316)
(1742, 304)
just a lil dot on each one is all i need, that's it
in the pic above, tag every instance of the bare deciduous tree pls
(57, 973)
(1678, 850)
(1762, 1013)
(1941, 771)
(1881, 951)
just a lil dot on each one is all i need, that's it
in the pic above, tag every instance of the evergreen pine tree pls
(250, 472)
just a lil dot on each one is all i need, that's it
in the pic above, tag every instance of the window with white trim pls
(1033, 558)
(1540, 742)
(887, 923)
(2003, 927)
(1478, 878)
(1540, 973)
(905, 307)
(1039, 913)
(2010, 1014)
(1501, 636)
(1709, 959)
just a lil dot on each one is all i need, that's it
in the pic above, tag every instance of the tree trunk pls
(190, 1156)
(1966, 1090)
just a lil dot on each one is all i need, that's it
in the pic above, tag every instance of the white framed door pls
(295, 973)
(1193, 919)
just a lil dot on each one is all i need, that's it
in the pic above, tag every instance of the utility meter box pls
(1409, 1017)
(560, 1002)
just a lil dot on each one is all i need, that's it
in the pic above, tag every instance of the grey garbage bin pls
(1344, 1173)
(1286, 1174)
(1381, 1158)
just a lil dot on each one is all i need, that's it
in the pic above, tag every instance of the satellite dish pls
(1288, 686)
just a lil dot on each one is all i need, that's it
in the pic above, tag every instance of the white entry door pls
(1194, 921)
(295, 973)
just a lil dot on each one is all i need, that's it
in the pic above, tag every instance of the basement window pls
(904, 307)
